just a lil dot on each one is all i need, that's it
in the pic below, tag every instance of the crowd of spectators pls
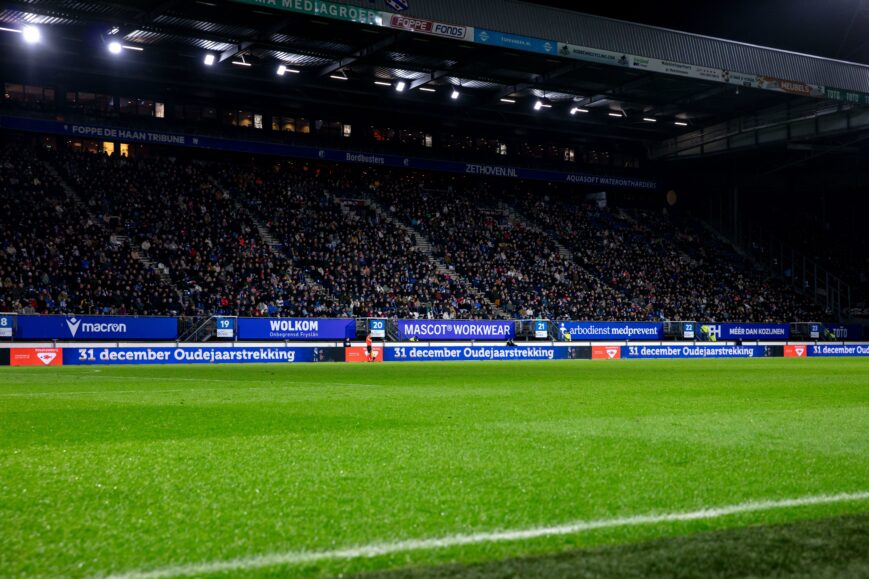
(672, 268)
(518, 268)
(203, 228)
(176, 217)
(54, 258)
(367, 264)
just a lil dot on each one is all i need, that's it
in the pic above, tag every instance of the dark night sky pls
(831, 28)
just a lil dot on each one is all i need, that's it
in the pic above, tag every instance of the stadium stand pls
(372, 268)
(322, 240)
(56, 258)
(674, 269)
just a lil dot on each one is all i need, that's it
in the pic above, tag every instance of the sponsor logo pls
(606, 352)
(294, 325)
(491, 170)
(397, 5)
(73, 325)
(36, 357)
(360, 354)
(428, 26)
(796, 351)
(412, 24)
(469, 330)
(484, 36)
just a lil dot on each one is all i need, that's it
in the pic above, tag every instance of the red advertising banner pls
(796, 350)
(359, 354)
(36, 357)
(606, 352)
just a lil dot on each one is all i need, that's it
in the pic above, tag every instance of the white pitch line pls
(379, 549)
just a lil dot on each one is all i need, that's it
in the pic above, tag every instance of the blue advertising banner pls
(198, 355)
(456, 329)
(295, 328)
(336, 155)
(832, 350)
(7, 322)
(695, 351)
(612, 330)
(517, 41)
(95, 328)
(750, 331)
(465, 353)
(845, 332)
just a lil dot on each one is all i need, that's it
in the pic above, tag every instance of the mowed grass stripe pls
(832, 547)
(226, 470)
(381, 549)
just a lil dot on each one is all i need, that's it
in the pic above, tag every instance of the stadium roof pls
(666, 83)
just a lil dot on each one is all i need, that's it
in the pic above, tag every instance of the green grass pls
(108, 470)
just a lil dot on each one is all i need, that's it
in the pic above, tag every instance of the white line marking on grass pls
(389, 548)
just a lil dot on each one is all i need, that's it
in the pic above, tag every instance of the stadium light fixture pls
(382, 83)
(680, 124)
(455, 94)
(427, 89)
(575, 110)
(617, 115)
(130, 47)
(342, 76)
(508, 101)
(399, 86)
(650, 120)
(31, 34)
(209, 59)
(282, 70)
(538, 104)
(241, 62)
(115, 47)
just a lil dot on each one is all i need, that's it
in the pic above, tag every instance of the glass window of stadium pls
(90, 101)
(245, 119)
(287, 124)
(31, 94)
(136, 106)
(84, 146)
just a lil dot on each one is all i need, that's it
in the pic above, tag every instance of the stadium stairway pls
(275, 246)
(425, 247)
(136, 254)
(512, 215)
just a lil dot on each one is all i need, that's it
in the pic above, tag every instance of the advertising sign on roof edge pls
(431, 27)
(346, 12)
(360, 15)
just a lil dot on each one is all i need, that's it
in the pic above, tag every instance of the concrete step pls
(124, 240)
(426, 248)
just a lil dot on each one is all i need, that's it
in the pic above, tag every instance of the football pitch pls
(484, 469)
